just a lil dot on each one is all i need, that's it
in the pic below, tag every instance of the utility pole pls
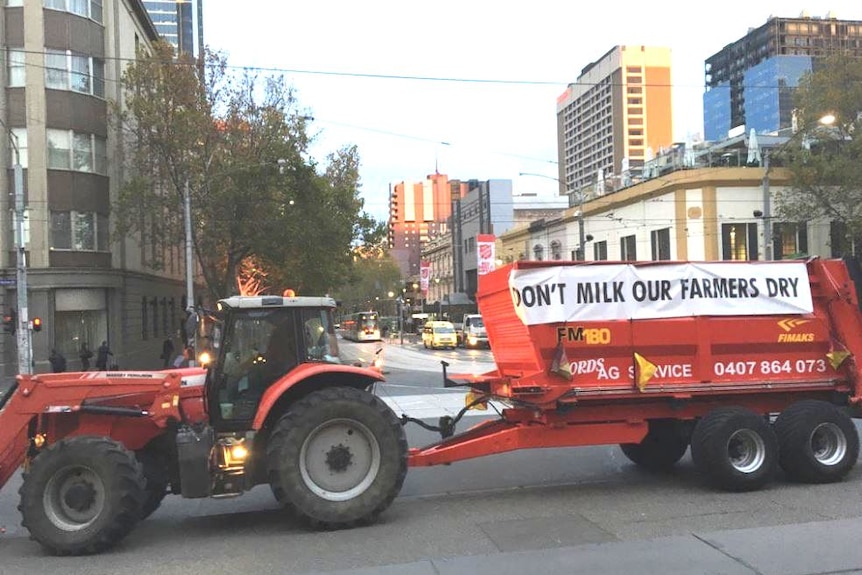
(25, 337)
(187, 216)
(582, 256)
(767, 209)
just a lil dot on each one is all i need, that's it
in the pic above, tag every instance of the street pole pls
(401, 319)
(582, 256)
(24, 336)
(767, 209)
(187, 215)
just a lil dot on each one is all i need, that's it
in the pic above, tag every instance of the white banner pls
(622, 291)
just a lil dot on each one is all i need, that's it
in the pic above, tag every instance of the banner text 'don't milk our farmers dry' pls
(628, 291)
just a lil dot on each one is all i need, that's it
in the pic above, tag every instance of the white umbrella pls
(753, 148)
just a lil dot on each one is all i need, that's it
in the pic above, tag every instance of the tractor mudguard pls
(358, 377)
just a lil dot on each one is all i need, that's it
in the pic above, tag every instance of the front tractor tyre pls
(338, 458)
(735, 449)
(82, 495)
(663, 446)
(818, 442)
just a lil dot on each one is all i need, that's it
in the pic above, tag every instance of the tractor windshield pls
(260, 346)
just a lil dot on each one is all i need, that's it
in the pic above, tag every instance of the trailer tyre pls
(735, 449)
(664, 445)
(338, 458)
(818, 442)
(82, 495)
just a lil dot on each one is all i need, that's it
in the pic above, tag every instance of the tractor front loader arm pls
(34, 403)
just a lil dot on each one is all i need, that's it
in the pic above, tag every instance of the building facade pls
(63, 63)
(418, 211)
(617, 109)
(704, 211)
(750, 82)
(179, 22)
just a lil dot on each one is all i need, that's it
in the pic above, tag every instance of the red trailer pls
(753, 365)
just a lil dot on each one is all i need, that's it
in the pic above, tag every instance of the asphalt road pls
(542, 511)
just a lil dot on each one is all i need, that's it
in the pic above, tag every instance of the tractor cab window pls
(259, 347)
(321, 343)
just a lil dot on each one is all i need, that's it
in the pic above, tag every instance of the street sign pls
(7, 281)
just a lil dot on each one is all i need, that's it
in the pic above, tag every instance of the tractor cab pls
(256, 340)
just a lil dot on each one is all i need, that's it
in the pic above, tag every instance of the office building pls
(750, 82)
(612, 117)
(418, 211)
(180, 22)
(64, 61)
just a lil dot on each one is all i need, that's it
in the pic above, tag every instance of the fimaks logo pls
(789, 336)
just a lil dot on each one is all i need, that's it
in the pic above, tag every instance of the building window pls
(66, 70)
(739, 242)
(19, 138)
(155, 304)
(538, 252)
(556, 250)
(790, 240)
(91, 9)
(15, 68)
(628, 248)
(600, 251)
(660, 241)
(68, 150)
(79, 231)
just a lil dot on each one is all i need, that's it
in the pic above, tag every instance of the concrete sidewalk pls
(818, 548)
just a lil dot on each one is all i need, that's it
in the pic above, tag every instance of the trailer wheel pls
(156, 476)
(338, 457)
(735, 449)
(664, 445)
(818, 443)
(82, 495)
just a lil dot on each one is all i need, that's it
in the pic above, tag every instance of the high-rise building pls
(417, 212)
(64, 61)
(750, 82)
(608, 119)
(180, 22)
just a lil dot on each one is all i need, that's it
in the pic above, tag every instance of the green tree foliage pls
(239, 144)
(373, 277)
(825, 159)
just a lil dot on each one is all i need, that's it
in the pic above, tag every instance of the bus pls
(362, 326)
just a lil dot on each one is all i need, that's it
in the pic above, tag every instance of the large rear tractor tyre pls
(156, 476)
(82, 495)
(338, 458)
(735, 449)
(818, 443)
(664, 445)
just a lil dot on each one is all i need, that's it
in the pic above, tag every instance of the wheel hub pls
(339, 458)
(80, 497)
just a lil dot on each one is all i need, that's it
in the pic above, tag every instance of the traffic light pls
(10, 321)
(37, 324)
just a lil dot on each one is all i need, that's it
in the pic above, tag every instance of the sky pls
(468, 87)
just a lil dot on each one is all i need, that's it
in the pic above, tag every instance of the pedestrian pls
(182, 360)
(58, 362)
(102, 356)
(85, 356)
(167, 352)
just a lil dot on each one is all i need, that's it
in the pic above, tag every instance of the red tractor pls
(102, 449)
